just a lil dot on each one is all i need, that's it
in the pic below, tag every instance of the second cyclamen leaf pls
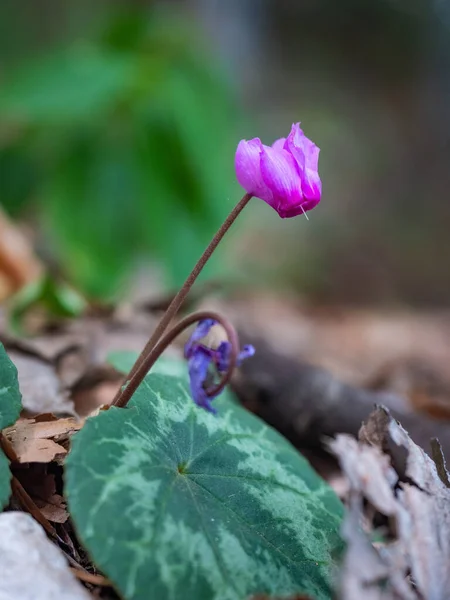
(10, 396)
(173, 502)
(10, 407)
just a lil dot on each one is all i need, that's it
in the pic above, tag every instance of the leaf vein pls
(258, 533)
(247, 478)
(213, 544)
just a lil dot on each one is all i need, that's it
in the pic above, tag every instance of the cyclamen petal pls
(284, 175)
(279, 144)
(306, 154)
(201, 359)
(312, 189)
(247, 352)
(281, 174)
(223, 356)
(223, 352)
(311, 154)
(248, 169)
(198, 366)
(201, 331)
(294, 144)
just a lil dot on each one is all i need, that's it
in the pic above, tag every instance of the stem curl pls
(150, 359)
(178, 300)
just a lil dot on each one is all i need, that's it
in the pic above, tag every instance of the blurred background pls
(119, 121)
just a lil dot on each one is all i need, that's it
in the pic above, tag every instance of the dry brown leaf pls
(368, 471)
(6, 286)
(366, 572)
(425, 385)
(54, 509)
(390, 476)
(49, 347)
(41, 441)
(70, 363)
(353, 344)
(90, 400)
(18, 264)
(41, 487)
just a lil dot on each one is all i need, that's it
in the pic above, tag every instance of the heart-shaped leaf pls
(10, 407)
(10, 397)
(174, 502)
(5, 480)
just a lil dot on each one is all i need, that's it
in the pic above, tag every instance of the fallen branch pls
(306, 403)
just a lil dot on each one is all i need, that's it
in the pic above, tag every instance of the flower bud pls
(285, 175)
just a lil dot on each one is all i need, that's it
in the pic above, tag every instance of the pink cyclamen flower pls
(285, 175)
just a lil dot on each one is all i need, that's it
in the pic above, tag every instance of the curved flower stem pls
(150, 359)
(122, 395)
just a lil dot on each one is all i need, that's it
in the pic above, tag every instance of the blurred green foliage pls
(54, 299)
(122, 145)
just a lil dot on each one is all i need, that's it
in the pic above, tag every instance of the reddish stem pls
(123, 395)
(150, 359)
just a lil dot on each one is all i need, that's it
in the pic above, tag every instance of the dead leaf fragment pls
(18, 265)
(54, 509)
(439, 460)
(41, 441)
(409, 460)
(32, 567)
(40, 484)
(411, 562)
(367, 572)
(369, 472)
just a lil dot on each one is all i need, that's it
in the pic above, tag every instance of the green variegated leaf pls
(5, 480)
(10, 407)
(123, 361)
(10, 397)
(174, 502)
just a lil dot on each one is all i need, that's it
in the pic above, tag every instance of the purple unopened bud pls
(284, 175)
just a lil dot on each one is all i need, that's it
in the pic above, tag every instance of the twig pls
(27, 503)
(87, 577)
(307, 403)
